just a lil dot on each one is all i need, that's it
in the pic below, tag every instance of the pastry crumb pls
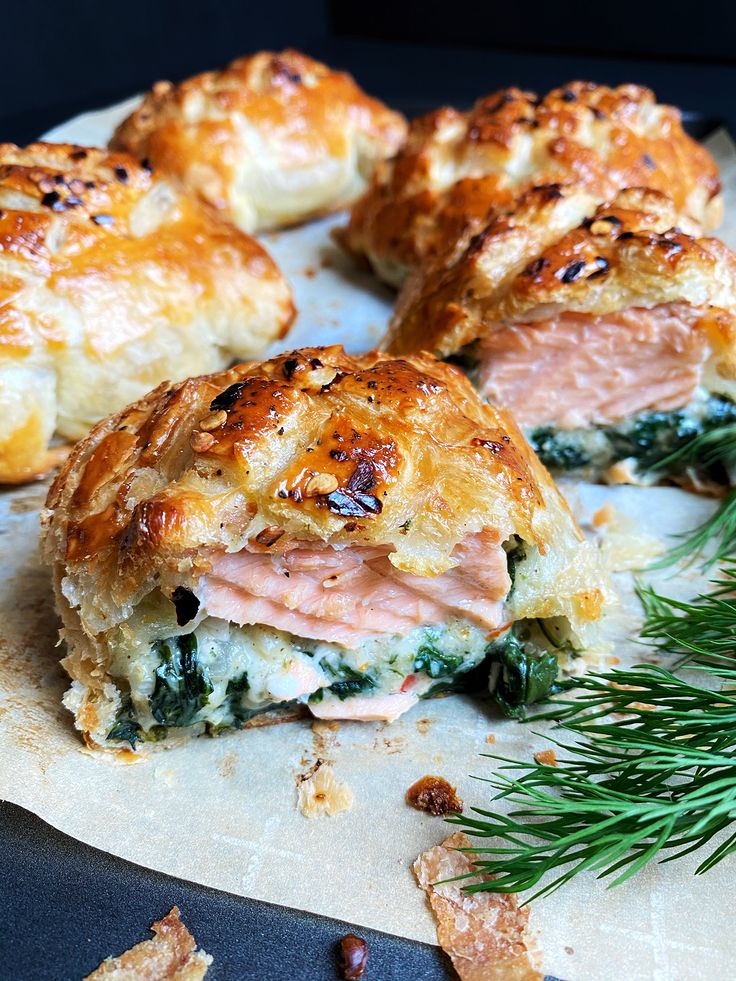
(171, 955)
(484, 933)
(320, 793)
(435, 796)
(546, 757)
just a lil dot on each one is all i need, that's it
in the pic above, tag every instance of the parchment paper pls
(223, 811)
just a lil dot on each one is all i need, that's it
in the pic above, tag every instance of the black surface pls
(65, 907)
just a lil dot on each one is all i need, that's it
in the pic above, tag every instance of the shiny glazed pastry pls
(110, 282)
(457, 170)
(610, 333)
(271, 140)
(345, 533)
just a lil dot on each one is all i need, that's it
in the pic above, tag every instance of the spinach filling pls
(182, 684)
(126, 727)
(524, 668)
(647, 438)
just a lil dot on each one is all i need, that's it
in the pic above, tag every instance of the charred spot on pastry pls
(73, 201)
(102, 219)
(52, 199)
(597, 113)
(315, 363)
(79, 154)
(225, 400)
(186, 605)
(269, 536)
(570, 273)
(146, 165)
(353, 505)
(290, 366)
(601, 267)
(122, 174)
(648, 162)
(550, 192)
(363, 478)
(535, 268)
(339, 455)
(569, 96)
(489, 444)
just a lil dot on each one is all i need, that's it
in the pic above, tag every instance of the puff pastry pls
(457, 170)
(317, 530)
(271, 140)
(110, 281)
(610, 331)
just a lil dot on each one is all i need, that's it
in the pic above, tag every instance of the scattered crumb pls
(354, 954)
(569, 950)
(394, 745)
(310, 272)
(490, 738)
(546, 757)
(170, 956)
(484, 933)
(319, 792)
(423, 726)
(226, 767)
(435, 796)
(622, 472)
(324, 735)
(604, 515)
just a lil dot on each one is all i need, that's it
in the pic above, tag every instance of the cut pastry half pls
(609, 331)
(112, 280)
(457, 170)
(271, 140)
(344, 535)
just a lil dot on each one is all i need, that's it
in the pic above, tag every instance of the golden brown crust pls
(111, 280)
(457, 170)
(325, 446)
(170, 956)
(272, 139)
(556, 253)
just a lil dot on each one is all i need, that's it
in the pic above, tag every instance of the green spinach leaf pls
(526, 674)
(436, 663)
(126, 727)
(182, 684)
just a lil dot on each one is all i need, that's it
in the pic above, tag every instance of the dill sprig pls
(710, 452)
(649, 771)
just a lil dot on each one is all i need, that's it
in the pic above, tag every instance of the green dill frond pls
(721, 528)
(648, 773)
(713, 451)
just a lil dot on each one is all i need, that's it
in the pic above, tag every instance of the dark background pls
(70, 55)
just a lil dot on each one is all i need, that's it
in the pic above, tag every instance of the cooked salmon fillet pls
(347, 596)
(576, 369)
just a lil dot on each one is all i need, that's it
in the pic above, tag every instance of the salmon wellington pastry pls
(110, 281)
(345, 534)
(457, 170)
(271, 140)
(610, 332)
